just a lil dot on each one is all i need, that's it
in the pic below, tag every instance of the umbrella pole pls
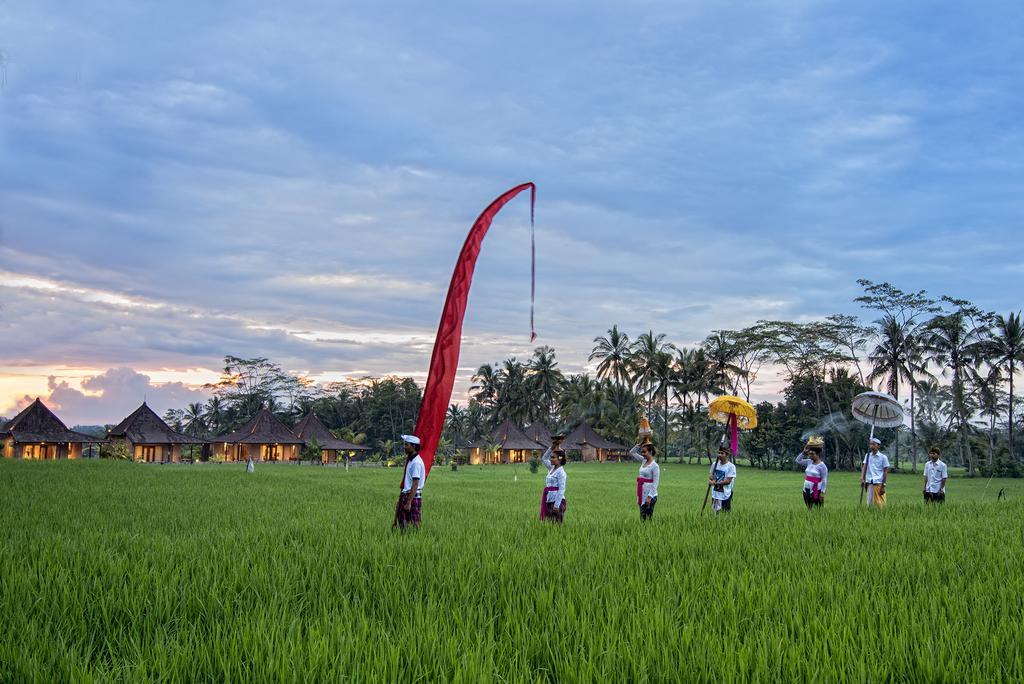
(864, 468)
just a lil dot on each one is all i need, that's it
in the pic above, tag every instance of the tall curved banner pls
(445, 359)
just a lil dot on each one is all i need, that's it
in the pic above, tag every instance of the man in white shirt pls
(410, 502)
(935, 476)
(723, 473)
(874, 473)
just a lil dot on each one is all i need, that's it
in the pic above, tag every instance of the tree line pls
(952, 364)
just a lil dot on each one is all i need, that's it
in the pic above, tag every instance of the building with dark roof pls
(539, 433)
(263, 438)
(151, 440)
(310, 428)
(505, 444)
(591, 445)
(37, 434)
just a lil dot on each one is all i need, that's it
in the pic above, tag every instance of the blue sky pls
(294, 180)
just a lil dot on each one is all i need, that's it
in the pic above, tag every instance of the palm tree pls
(644, 359)
(990, 403)
(721, 351)
(545, 380)
(954, 342)
(485, 386)
(579, 400)
(193, 419)
(899, 357)
(214, 414)
(1005, 350)
(613, 354)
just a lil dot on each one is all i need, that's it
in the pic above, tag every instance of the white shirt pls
(648, 472)
(813, 469)
(934, 474)
(721, 472)
(414, 469)
(555, 478)
(877, 464)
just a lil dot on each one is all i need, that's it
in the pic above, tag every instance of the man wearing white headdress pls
(410, 502)
(874, 472)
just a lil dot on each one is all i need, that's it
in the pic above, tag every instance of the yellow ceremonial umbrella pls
(735, 413)
(723, 408)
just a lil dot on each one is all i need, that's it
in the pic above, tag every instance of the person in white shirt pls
(249, 466)
(935, 476)
(815, 472)
(723, 473)
(647, 481)
(552, 500)
(874, 473)
(409, 510)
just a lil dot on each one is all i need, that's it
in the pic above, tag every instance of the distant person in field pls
(935, 476)
(409, 509)
(815, 472)
(552, 502)
(874, 473)
(723, 474)
(250, 466)
(647, 481)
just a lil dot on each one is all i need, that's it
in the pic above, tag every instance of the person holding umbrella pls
(723, 474)
(874, 472)
(815, 472)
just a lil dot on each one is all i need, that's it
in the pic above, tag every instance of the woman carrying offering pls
(552, 500)
(815, 472)
(647, 482)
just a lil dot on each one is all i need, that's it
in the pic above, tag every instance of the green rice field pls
(112, 571)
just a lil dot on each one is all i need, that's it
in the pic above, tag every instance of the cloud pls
(210, 179)
(110, 396)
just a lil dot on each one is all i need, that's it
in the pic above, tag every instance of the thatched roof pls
(310, 428)
(539, 433)
(507, 436)
(143, 426)
(263, 428)
(586, 435)
(36, 423)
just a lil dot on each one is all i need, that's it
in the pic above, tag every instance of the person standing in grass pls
(815, 472)
(935, 476)
(249, 466)
(647, 481)
(723, 473)
(874, 473)
(409, 509)
(552, 501)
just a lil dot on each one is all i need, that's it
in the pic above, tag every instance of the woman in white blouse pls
(552, 500)
(815, 472)
(647, 481)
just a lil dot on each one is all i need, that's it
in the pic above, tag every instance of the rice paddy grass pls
(112, 571)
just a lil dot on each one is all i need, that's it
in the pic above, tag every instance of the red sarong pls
(815, 483)
(544, 501)
(640, 482)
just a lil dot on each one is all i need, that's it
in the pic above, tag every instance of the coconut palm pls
(613, 356)
(721, 351)
(1006, 350)
(485, 386)
(545, 380)
(953, 341)
(214, 414)
(193, 419)
(899, 357)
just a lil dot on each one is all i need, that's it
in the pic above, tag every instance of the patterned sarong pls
(411, 517)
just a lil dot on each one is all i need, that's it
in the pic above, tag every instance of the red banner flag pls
(445, 358)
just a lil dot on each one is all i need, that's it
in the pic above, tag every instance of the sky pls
(183, 181)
